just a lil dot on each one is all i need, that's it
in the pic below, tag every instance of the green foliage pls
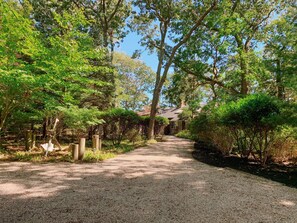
(39, 73)
(252, 111)
(134, 82)
(187, 114)
(183, 88)
(159, 120)
(80, 119)
(162, 120)
(186, 134)
(249, 126)
(119, 122)
(95, 156)
(253, 121)
(120, 115)
(201, 123)
(206, 127)
(18, 44)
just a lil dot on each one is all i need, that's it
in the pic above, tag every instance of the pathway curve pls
(158, 183)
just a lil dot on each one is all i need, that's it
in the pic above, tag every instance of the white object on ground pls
(48, 147)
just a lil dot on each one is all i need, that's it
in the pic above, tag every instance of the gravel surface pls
(158, 183)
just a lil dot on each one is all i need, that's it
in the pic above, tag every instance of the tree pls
(280, 52)
(226, 58)
(108, 21)
(41, 72)
(134, 82)
(183, 90)
(103, 34)
(159, 24)
(18, 45)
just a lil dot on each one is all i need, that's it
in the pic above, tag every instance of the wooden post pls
(75, 149)
(28, 141)
(95, 140)
(100, 143)
(33, 144)
(82, 148)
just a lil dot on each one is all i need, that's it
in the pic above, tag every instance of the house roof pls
(171, 113)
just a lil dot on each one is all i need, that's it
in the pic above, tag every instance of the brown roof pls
(171, 113)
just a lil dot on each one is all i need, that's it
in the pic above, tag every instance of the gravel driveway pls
(158, 183)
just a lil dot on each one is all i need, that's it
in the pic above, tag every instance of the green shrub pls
(80, 119)
(254, 110)
(205, 127)
(186, 134)
(252, 121)
(201, 124)
(187, 114)
(118, 122)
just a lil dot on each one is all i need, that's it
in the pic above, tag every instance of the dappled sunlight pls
(11, 188)
(160, 161)
(163, 175)
(287, 203)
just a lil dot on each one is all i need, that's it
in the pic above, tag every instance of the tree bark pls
(161, 76)
(244, 74)
(153, 113)
(280, 86)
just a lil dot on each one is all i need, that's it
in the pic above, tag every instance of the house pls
(175, 123)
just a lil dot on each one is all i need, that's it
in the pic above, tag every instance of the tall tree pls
(281, 51)
(18, 45)
(246, 23)
(108, 20)
(41, 72)
(45, 13)
(226, 58)
(159, 23)
(134, 82)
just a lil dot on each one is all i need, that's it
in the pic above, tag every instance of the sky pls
(130, 44)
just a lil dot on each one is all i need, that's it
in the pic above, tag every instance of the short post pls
(95, 142)
(33, 144)
(75, 148)
(28, 141)
(100, 143)
(82, 148)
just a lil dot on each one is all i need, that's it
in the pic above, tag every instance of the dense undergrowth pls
(257, 127)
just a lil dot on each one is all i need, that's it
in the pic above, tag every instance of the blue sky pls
(130, 44)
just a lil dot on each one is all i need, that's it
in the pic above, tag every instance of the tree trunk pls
(280, 87)
(153, 113)
(244, 73)
(44, 128)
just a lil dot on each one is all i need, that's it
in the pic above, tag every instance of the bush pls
(252, 122)
(186, 134)
(118, 123)
(257, 125)
(80, 119)
(204, 127)
(284, 147)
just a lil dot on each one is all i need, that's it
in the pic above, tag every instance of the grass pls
(38, 156)
(95, 156)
